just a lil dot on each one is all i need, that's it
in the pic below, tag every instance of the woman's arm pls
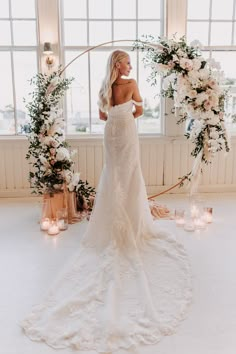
(136, 97)
(102, 115)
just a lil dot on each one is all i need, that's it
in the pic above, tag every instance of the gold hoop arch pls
(149, 44)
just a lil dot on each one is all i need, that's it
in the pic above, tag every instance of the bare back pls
(123, 91)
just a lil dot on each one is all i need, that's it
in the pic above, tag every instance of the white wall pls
(163, 161)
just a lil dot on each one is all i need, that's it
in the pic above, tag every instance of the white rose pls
(75, 178)
(68, 176)
(186, 64)
(62, 154)
(192, 93)
(213, 119)
(204, 73)
(71, 187)
(196, 64)
(201, 97)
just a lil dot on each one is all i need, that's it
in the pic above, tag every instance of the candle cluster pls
(196, 218)
(54, 226)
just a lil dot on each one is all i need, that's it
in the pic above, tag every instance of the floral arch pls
(192, 82)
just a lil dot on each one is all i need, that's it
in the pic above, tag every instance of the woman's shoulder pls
(125, 82)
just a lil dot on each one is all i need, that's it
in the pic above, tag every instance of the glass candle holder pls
(207, 214)
(45, 224)
(200, 223)
(53, 229)
(62, 219)
(179, 217)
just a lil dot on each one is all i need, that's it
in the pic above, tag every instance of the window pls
(18, 62)
(90, 22)
(214, 25)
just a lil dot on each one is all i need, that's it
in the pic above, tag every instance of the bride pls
(129, 283)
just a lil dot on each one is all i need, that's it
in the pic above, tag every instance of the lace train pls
(130, 282)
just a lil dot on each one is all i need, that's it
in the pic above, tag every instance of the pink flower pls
(52, 151)
(52, 162)
(207, 105)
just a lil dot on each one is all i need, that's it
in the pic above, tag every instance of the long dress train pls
(130, 282)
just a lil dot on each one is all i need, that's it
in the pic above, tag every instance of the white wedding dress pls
(129, 282)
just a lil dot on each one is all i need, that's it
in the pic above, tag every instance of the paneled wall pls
(163, 161)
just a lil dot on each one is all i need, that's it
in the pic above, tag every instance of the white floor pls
(29, 261)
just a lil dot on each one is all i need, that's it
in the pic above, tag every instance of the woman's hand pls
(102, 115)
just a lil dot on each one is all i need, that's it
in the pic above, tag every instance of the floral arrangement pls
(48, 152)
(194, 84)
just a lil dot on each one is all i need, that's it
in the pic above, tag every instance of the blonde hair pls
(112, 73)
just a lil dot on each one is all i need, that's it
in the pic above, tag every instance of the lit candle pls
(180, 222)
(53, 229)
(189, 226)
(194, 211)
(208, 215)
(199, 223)
(45, 224)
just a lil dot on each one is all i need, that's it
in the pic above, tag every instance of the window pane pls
(24, 33)
(5, 33)
(124, 30)
(4, 9)
(98, 70)
(124, 9)
(77, 97)
(75, 9)
(149, 9)
(99, 32)
(222, 10)
(23, 8)
(7, 125)
(25, 66)
(198, 10)
(221, 33)
(98, 11)
(227, 61)
(199, 31)
(152, 27)
(150, 122)
(75, 33)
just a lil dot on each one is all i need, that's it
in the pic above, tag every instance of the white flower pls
(55, 81)
(43, 160)
(204, 73)
(196, 63)
(68, 176)
(175, 58)
(201, 97)
(62, 154)
(213, 119)
(75, 179)
(214, 134)
(186, 64)
(192, 93)
(71, 187)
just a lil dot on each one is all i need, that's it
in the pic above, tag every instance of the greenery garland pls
(48, 152)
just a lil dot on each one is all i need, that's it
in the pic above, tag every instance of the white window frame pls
(14, 48)
(111, 47)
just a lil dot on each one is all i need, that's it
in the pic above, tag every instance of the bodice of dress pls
(125, 107)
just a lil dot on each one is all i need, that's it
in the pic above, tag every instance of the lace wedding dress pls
(129, 283)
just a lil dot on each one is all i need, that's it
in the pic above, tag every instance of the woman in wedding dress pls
(129, 283)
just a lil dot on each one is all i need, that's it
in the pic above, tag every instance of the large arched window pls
(89, 22)
(18, 62)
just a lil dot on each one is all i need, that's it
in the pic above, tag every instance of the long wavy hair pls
(112, 73)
